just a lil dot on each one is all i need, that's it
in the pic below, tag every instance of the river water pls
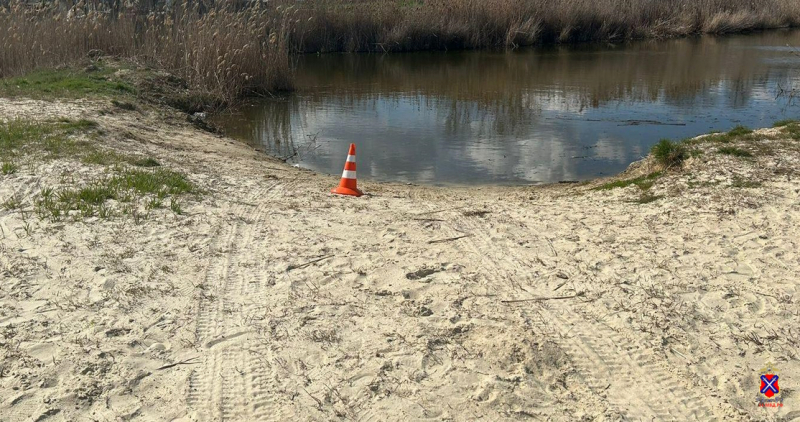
(535, 115)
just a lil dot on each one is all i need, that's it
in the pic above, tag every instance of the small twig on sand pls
(190, 361)
(552, 247)
(427, 219)
(319, 402)
(541, 299)
(448, 239)
(678, 353)
(313, 261)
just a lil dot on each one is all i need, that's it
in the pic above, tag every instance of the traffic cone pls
(348, 184)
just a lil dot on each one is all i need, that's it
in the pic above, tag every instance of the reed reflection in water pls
(526, 116)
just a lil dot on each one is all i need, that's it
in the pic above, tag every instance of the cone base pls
(341, 190)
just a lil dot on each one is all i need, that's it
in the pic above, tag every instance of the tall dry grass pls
(236, 48)
(378, 25)
(223, 51)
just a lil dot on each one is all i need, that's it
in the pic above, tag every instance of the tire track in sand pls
(633, 383)
(231, 385)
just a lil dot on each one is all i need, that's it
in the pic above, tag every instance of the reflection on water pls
(538, 115)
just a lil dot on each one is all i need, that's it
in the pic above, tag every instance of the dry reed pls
(224, 52)
(233, 49)
(383, 25)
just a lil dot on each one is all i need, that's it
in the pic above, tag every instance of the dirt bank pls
(266, 298)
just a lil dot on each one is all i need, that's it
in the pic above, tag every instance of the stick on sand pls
(541, 299)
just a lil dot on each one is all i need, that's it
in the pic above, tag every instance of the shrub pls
(668, 153)
(740, 131)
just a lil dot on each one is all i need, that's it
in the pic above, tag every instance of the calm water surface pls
(527, 116)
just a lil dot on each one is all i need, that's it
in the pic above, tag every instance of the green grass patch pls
(740, 130)
(106, 158)
(736, 152)
(175, 206)
(54, 139)
(94, 194)
(738, 133)
(17, 134)
(154, 182)
(59, 139)
(147, 187)
(101, 157)
(783, 123)
(146, 162)
(155, 203)
(87, 201)
(75, 126)
(643, 182)
(792, 130)
(68, 83)
(139, 182)
(9, 168)
(668, 153)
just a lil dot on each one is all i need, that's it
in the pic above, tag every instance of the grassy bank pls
(129, 185)
(738, 150)
(229, 52)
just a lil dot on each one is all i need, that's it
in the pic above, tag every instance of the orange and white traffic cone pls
(348, 185)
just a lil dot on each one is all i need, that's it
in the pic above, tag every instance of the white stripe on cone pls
(351, 158)
(349, 174)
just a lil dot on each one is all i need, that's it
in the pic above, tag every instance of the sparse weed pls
(793, 130)
(102, 157)
(104, 212)
(124, 187)
(12, 203)
(740, 182)
(124, 105)
(736, 152)
(28, 228)
(138, 217)
(72, 126)
(740, 130)
(9, 168)
(175, 206)
(154, 203)
(783, 123)
(739, 133)
(146, 162)
(647, 198)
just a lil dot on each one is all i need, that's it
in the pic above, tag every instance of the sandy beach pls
(268, 298)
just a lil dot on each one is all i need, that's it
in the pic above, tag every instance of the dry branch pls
(541, 299)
